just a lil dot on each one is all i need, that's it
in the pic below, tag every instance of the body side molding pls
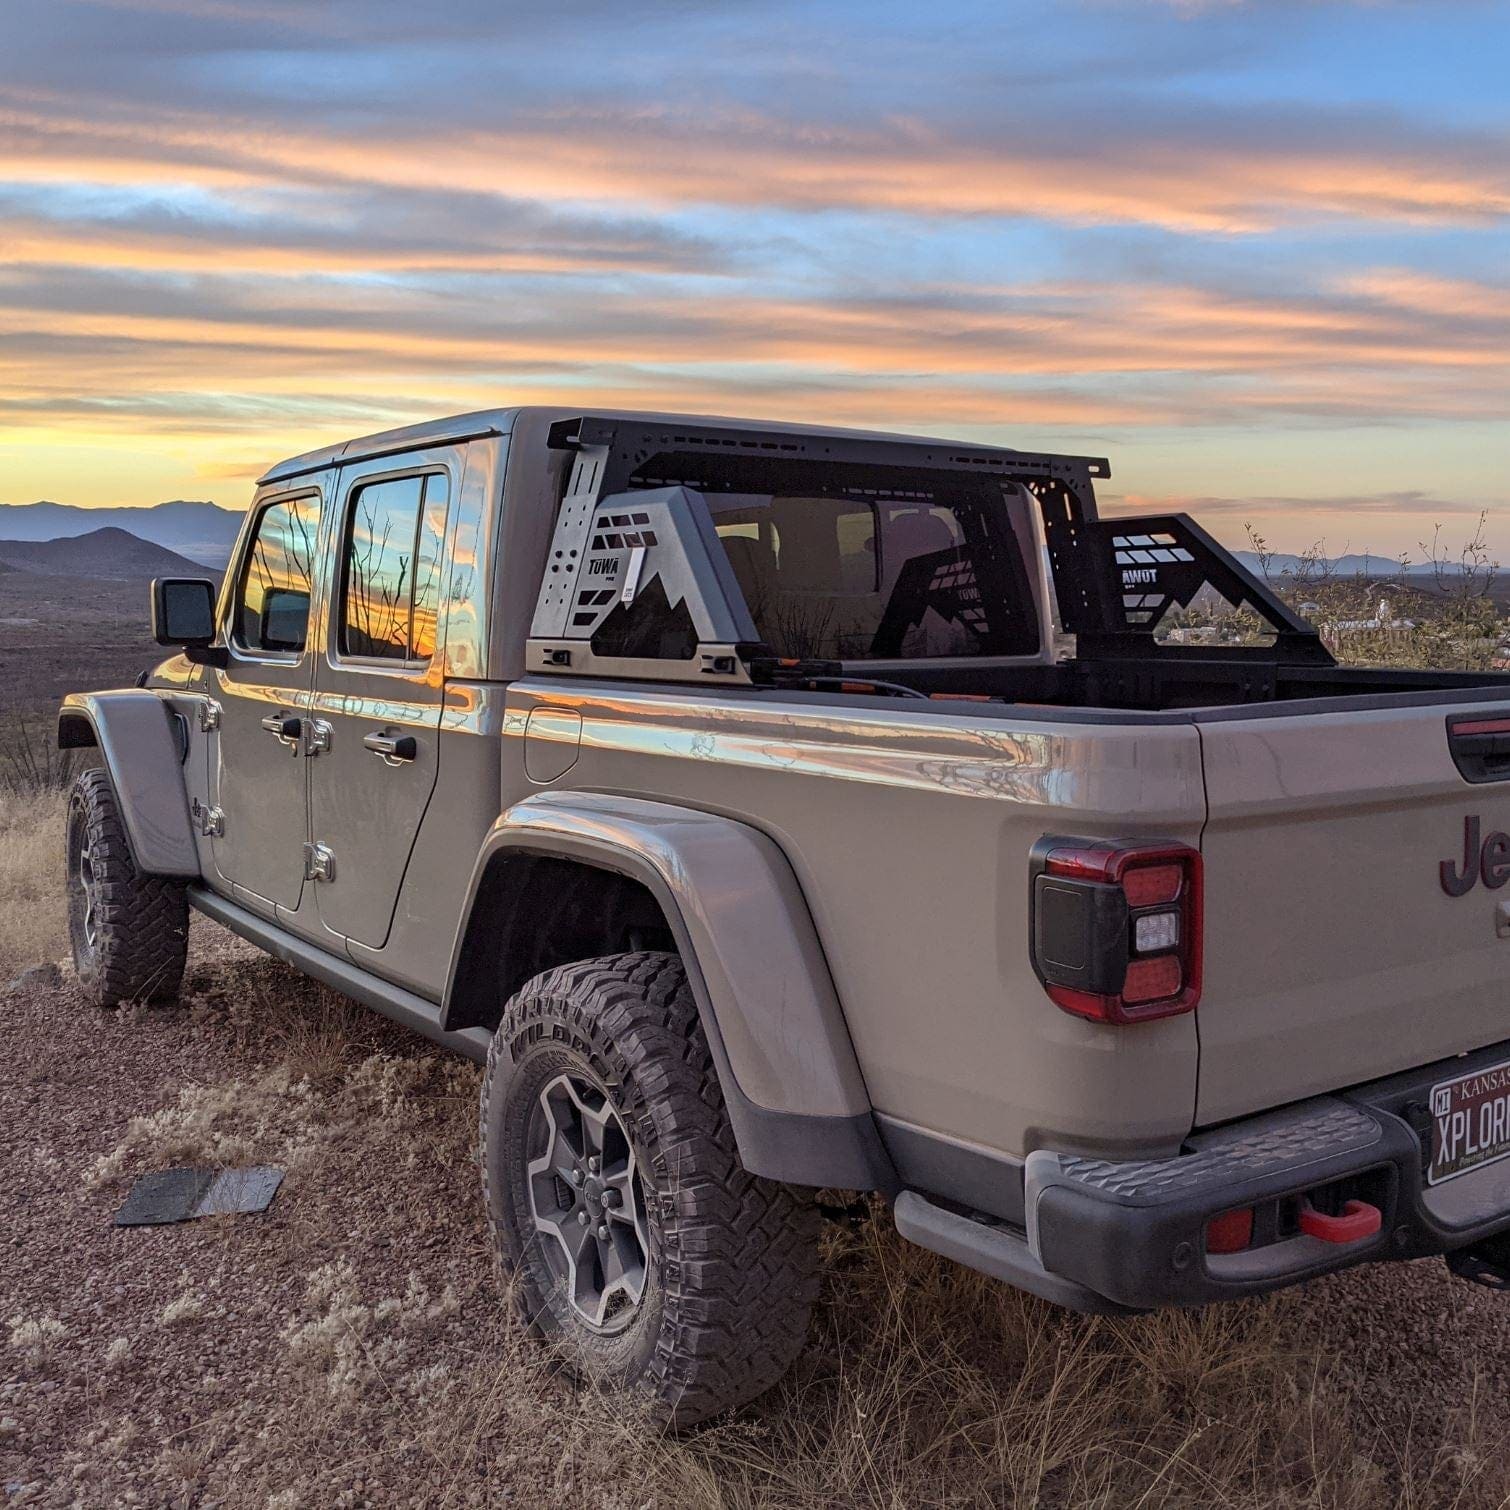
(779, 1040)
(133, 731)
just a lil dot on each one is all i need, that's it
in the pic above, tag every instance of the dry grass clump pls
(266, 1117)
(34, 1337)
(934, 1386)
(30, 760)
(311, 1096)
(33, 918)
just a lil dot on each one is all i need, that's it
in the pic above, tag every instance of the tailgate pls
(1337, 947)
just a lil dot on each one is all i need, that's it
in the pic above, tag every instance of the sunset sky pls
(1257, 253)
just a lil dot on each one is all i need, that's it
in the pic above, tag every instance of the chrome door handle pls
(394, 749)
(284, 726)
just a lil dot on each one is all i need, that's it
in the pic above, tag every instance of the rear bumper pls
(1133, 1233)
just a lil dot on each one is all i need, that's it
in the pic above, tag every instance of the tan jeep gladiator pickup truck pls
(776, 808)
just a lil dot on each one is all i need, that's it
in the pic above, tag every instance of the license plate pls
(1470, 1122)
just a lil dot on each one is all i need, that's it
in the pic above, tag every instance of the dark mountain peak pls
(106, 553)
(110, 532)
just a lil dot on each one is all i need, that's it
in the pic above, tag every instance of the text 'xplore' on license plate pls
(1470, 1122)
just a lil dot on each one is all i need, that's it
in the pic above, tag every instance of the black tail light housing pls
(1115, 928)
(1480, 746)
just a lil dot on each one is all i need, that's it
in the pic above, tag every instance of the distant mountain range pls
(1354, 565)
(110, 553)
(202, 532)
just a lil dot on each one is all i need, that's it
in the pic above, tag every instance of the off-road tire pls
(131, 938)
(732, 1269)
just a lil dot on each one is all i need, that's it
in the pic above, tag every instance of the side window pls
(390, 586)
(272, 595)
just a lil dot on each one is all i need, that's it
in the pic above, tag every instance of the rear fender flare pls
(797, 1100)
(134, 732)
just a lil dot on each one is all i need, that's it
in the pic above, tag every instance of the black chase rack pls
(637, 583)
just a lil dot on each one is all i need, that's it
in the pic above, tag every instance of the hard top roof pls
(483, 422)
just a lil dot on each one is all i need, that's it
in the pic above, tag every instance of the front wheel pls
(129, 932)
(639, 1244)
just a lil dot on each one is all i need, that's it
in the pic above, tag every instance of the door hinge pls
(319, 863)
(209, 715)
(316, 736)
(210, 821)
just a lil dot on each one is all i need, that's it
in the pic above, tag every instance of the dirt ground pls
(51, 628)
(353, 1346)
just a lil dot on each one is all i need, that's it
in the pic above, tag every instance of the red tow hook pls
(1358, 1220)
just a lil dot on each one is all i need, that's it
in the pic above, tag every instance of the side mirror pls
(183, 611)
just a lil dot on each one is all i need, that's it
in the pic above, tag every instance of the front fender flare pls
(134, 733)
(781, 1046)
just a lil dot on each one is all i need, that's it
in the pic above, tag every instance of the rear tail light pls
(1480, 746)
(1116, 928)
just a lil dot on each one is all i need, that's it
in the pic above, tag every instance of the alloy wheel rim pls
(87, 891)
(587, 1201)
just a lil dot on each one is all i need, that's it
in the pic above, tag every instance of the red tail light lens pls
(1116, 928)
(1153, 979)
(1150, 885)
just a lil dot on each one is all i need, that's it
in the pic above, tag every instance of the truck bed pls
(1190, 677)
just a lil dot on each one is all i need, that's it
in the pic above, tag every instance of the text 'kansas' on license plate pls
(1470, 1122)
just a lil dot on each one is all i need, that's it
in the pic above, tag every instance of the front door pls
(378, 687)
(257, 765)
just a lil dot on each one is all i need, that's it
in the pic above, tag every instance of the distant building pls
(1383, 622)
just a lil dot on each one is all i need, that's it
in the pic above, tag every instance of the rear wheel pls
(129, 932)
(638, 1243)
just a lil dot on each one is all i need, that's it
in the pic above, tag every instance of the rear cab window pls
(879, 578)
(390, 578)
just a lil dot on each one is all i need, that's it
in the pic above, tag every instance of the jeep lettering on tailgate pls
(1489, 862)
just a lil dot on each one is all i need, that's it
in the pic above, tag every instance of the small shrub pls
(30, 760)
(35, 1336)
(32, 902)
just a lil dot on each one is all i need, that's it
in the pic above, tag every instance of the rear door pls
(378, 686)
(1357, 911)
(256, 763)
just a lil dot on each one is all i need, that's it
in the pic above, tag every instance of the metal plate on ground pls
(179, 1195)
(1470, 1122)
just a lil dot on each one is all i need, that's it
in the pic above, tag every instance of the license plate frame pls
(1470, 1123)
